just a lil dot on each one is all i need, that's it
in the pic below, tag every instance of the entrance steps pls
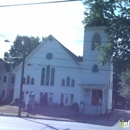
(90, 110)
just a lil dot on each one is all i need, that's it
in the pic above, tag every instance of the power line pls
(39, 3)
(79, 68)
(104, 41)
(69, 59)
(6, 39)
(65, 59)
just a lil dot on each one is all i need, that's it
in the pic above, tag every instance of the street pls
(15, 123)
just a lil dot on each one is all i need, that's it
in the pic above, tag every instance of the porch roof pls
(94, 86)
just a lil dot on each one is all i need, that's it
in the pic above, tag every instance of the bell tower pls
(92, 71)
(93, 35)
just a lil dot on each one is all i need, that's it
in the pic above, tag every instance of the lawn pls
(39, 111)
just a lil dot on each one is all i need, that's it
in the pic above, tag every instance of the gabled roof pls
(6, 65)
(72, 55)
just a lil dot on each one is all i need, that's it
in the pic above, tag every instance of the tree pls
(124, 90)
(94, 13)
(16, 51)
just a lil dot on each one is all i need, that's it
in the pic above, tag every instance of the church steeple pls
(93, 35)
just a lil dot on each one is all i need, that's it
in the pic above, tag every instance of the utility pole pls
(21, 85)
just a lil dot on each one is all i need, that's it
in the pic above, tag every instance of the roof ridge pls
(71, 54)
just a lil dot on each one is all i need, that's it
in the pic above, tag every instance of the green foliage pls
(124, 91)
(94, 13)
(105, 52)
(17, 49)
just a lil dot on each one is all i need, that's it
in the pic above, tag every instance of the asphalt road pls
(15, 123)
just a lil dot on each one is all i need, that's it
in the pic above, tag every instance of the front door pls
(96, 95)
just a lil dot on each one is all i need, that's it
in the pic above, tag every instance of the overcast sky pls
(62, 20)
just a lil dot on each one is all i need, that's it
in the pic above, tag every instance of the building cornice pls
(95, 28)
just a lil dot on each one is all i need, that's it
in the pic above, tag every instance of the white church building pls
(53, 70)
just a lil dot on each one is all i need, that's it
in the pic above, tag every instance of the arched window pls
(32, 81)
(68, 81)
(43, 76)
(95, 69)
(47, 74)
(95, 39)
(28, 79)
(52, 76)
(63, 82)
(72, 83)
(24, 80)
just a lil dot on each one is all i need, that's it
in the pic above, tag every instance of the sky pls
(62, 20)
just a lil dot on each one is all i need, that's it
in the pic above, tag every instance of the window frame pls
(43, 76)
(68, 81)
(5, 79)
(95, 39)
(32, 81)
(63, 82)
(52, 76)
(28, 80)
(47, 75)
(72, 83)
(95, 68)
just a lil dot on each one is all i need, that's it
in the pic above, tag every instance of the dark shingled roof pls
(6, 65)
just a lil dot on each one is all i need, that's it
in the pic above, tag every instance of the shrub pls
(43, 100)
(54, 105)
(1, 100)
(15, 102)
(6, 101)
(61, 104)
(75, 107)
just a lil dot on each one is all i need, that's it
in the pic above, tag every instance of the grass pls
(39, 111)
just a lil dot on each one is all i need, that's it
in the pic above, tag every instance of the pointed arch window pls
(32, 81)
(95, 39)
(63, 82)
(43, 76)
(95, 69)
(47, 74)
(68, 81)
(72, 83)
(28, 79)
(52, 76)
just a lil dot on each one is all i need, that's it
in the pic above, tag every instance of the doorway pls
(96, 95)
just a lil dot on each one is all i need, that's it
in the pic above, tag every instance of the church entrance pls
(96, 98)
